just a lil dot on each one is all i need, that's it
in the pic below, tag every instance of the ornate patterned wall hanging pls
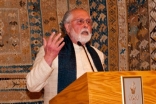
(124, 30)
(20, 30)
(138, 40)
(14, 34)
(100, 31)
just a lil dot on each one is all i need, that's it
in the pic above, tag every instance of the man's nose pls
(85, 24)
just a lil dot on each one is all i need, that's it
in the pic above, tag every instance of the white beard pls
(80, 37)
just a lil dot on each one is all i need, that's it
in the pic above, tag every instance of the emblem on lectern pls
(133, 96)
(132, 90)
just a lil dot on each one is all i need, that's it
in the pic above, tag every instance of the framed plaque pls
(132, 92)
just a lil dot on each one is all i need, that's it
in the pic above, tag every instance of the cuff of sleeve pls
(46, 66)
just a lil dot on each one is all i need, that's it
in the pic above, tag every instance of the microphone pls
(79, 43)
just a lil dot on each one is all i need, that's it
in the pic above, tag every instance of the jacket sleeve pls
(36, 79)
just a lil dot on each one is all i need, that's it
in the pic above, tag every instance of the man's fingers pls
(54, 43)
(44, 42)
(59, 41)
(51, 37)
(56, 38)
(61, 45)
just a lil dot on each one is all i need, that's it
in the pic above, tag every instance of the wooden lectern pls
(105, 88)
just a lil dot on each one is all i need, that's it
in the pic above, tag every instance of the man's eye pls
(80, 21)
(88, 21)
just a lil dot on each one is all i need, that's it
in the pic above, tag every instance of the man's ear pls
(67, 27)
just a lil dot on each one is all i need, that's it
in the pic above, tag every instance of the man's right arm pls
(37, 77)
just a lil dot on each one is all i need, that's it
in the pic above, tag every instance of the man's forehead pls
(80, 14)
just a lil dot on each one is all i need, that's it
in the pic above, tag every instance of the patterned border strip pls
(123, 38)
(113, 35)
(9, 84)
(35, 26)
(12, 82)
(152, 32)
(20, 97)
(61, 11)
(49, 17)
(79, 3)
(13, 75)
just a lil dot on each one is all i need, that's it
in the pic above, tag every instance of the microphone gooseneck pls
(79, 43)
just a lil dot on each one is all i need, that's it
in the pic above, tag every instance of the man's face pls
(80, 27)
